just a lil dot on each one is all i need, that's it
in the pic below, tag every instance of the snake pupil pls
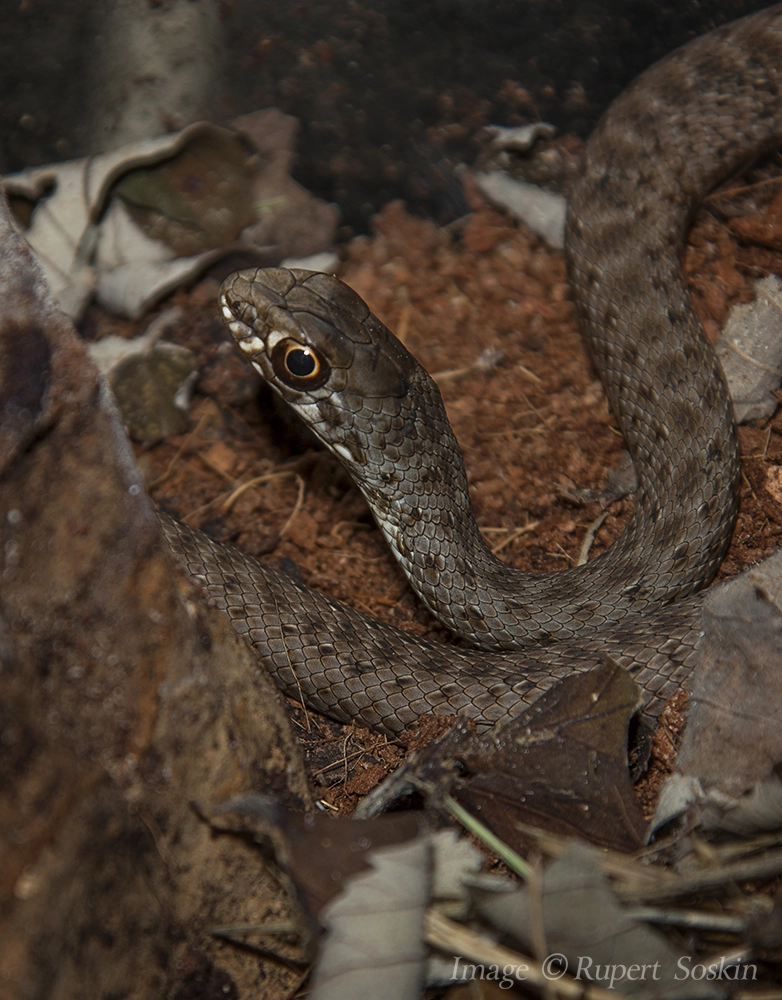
(301, 362)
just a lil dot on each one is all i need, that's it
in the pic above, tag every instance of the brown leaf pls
(197, 200)
(290, 219)
(561, 766)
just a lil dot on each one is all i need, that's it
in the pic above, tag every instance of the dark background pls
(390, 93)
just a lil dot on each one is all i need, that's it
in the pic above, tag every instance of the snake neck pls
(407, 463)
(417, 489)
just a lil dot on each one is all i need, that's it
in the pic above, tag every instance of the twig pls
(178, 455)
(753, 361)
(766, 866)
(516, 533)
(529, 374)
(741, 848)
(537, 927)
(589, 538)
(215, 469)
(403, 326)
(256, 481)
(727, 923)
(342, 760)
(719, 195)
(296, 508)
(487, 361)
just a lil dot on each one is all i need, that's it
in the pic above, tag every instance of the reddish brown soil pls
(535, 429)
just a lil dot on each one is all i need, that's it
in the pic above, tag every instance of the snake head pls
(319, 347)
(305, 331)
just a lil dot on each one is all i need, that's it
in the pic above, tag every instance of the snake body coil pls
(685, 124)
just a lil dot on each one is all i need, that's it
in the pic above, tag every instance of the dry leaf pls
(68, 200)
(733, 739)
(584, 922)
(366, 884)
(560, 766)
(288, 217)
(750, 349)
(196, 201)
(374, 945)
(197, 192)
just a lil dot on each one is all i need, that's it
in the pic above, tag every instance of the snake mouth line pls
(245, 337)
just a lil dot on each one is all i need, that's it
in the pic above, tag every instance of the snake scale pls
(684, 125)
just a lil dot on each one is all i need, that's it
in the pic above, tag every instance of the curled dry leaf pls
(68, 200)
(131, 225)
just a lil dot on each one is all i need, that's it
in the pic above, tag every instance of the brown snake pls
(684, 125)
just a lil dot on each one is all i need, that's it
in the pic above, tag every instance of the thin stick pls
(266, 478)
(175, 459)
(296, 508)
(484, 834)
(517, 533)
(589, 538)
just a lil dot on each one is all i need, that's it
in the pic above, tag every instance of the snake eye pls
(298, 365)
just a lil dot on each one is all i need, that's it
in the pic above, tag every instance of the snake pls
(686, 124)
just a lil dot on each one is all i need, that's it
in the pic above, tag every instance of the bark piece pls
(123, 697)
